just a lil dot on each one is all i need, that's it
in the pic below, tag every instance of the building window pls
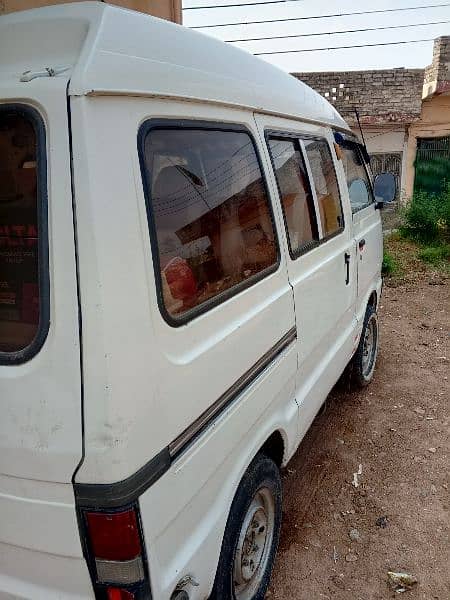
(209, 213)
(326, 185)
(23, 243)
(388, 163)
(295, 193)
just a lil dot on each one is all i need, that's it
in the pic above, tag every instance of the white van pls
(190, 255)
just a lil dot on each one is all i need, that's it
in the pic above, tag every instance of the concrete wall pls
(434, 122)
(381, 97)
(165, 9)
(384, 140)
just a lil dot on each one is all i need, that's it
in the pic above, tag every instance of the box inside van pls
(190, 256)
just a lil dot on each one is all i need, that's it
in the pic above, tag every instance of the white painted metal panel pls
(40, 400)
(126, 52)
(144, 379)
(324, 303)
(367, 230)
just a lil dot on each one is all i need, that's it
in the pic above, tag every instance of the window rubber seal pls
(182, 124)
(25, 354)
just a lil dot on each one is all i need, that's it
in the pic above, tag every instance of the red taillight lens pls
(116, 549)
(114, 536)
(118, 594)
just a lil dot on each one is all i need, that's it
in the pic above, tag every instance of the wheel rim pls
(369, 346)
(254, 545)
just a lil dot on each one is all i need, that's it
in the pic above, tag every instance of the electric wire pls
(282, 37)
(349, 14)
(343, 47)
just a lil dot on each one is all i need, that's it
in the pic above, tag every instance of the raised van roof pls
(111, 50)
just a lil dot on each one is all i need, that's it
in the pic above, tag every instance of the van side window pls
(326, 185)
(21, 191)
(359, 187)
(295, 193)
(210, 214)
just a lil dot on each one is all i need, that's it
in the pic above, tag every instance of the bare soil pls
(397, 430)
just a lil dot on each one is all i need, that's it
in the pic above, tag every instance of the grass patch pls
(390, 265)
(425, 231)
(409, 260)
(426, 219)
(438, 255)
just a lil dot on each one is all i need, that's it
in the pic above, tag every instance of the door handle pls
(361, 244)
(347, 264)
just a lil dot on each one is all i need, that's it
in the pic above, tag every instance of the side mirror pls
(385, 188)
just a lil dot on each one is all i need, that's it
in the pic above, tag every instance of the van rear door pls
(40, 379)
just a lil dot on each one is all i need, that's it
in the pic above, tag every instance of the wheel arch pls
(274, 448)
(373, 300)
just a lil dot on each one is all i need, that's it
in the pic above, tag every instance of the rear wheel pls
(364, 360)
(251, 535)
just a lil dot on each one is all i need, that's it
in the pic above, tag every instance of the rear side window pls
(209, 214)
(295, 193)
(326, 185)
(23, 262)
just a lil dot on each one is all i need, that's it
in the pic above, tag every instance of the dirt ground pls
(397, 430)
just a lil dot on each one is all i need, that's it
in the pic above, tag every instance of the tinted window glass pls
(325, 184)
(359, 188)
(19, 233)
(296, 197)
(210, 211)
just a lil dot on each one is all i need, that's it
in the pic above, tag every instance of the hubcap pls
(369, 347)
(254, 545)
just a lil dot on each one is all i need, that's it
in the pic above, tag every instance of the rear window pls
(22, 257)
(210, 216)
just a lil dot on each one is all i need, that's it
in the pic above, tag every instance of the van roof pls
(111, 50)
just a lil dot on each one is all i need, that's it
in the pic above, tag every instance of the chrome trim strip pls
(191, 432)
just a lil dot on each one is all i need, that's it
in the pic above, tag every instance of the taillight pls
(119, 594)
(114, 536)
(116, 553)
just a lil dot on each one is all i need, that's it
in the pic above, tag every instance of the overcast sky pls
(408, 55)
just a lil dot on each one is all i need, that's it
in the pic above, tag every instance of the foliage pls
(436, 254)
(390, 265)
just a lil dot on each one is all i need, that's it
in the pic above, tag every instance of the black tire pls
(361, 371)
(262, 474)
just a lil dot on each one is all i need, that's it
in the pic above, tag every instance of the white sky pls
(381, 57)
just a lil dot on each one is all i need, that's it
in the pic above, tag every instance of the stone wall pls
(381, 97)
(438, 73)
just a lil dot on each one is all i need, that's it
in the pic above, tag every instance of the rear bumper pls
(40, 549)
(32, 575)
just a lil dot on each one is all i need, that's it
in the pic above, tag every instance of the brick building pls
(398, 108)
(164, 9)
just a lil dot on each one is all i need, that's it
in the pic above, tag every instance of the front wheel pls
(251, 535)
(363, 362)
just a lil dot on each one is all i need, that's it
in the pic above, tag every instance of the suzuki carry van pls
(190, 255)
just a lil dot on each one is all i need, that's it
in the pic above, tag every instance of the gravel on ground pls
(340, 541)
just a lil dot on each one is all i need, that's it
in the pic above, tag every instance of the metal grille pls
(388, 163)
(432, 164)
